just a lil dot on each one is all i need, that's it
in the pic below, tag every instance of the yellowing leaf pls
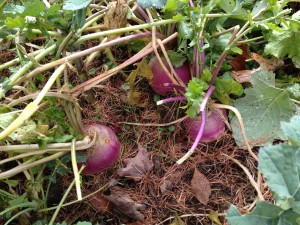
(143, 70)
(213, 216)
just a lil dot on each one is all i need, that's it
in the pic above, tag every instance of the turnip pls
(105, 151)
(214, 125)
(161, 81)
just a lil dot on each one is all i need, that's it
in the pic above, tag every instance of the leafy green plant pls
(280, 167)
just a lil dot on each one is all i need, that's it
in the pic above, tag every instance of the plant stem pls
(12, 79)
(122, 30)
(202, 126)
(17, 60)
(21, 168)
(80, 145)
(83, 53)
(75, 171)
(22, 205)
(173, 99)
(63, 199)
(96, 80)
(33, 106)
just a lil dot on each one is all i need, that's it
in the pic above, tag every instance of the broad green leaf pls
(34, 8)
(75, 4)
(263, 214)
(294, 91)
(281, 169)
(292, 130)
(13, 9)
(84, 223)
(282, 44)
(263, 108)
(171, 5)
(159, 4)
(226, 86)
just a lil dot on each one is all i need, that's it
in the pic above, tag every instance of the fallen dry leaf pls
(200, 187)
(138, 166)
(100, 203)
(272, 64)
(123, 203)
(239, 62)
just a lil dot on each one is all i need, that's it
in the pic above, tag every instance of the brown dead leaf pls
(200, 187)
(100, 203)
(138, 166)
(123, 203)
(239, 62)
(272, 64)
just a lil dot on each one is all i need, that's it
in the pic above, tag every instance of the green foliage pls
(226, 86)
(195, 93)
(280, 167)
(262, 109)
(159, 4)
(76, 4)
(283, 44)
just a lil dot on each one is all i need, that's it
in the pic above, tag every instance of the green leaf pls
(226, 86)
(75, 4)
(283, 44)
(84, 223)
(159, 4)
(177, 59)
(264, 213)
(294, 91)
(195, 93)
(13, 9)
(34, 8)
(281, 169)
(292, 130)
(263, 108)
(171, 5)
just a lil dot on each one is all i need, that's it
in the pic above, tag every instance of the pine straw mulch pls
(229, 183)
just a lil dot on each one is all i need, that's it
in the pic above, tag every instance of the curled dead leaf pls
(138, 166)
(100, 203)
(271, 64)
(200, 187)
(124, 204)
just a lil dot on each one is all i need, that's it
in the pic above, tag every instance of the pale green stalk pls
(13, 78)
(75, 171)
(63, 199)
(33, 106)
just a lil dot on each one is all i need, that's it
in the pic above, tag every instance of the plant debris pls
(138, 166)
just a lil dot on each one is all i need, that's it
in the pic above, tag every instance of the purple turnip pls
(161, 80)
(105, 150)
(214, 125)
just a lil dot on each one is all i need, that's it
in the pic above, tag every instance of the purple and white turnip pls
(161, 81)
(105, 150)
(214, 125)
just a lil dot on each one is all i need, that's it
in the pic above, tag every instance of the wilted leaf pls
(100, 203)
(142, 70)
(213, 216)
(138, 166)
(263, 108)
(123, 203)
(239, 62)
(272, 64)
(200, 187)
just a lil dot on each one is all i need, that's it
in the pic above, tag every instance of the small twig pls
(156, 124)
(252, 181)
